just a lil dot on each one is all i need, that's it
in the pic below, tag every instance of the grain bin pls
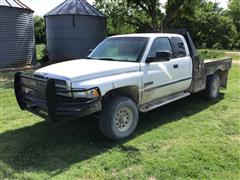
(72, 29)
(17, 42)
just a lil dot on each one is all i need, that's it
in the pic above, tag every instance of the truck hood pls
(85, 69)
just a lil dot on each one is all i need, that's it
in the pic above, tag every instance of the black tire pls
(119, 118)
(213, 87)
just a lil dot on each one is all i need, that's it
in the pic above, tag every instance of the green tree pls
(40, 33)
(209, 26)
(175, 8)
(122, 17)
(145, 16)
(234, 12)
(151, 9)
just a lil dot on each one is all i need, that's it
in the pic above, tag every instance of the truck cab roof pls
(148, 35)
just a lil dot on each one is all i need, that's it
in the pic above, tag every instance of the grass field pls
(40, 51)
(189, 139)
(234, 55)
(213, 54)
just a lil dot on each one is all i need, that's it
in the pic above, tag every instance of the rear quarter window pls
(178, 47)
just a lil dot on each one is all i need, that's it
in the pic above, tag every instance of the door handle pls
(175, 66)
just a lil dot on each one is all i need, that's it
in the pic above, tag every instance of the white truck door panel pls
(165, 78)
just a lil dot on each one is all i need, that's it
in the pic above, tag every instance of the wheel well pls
(219, 72)
(223, 77)
(128, 91)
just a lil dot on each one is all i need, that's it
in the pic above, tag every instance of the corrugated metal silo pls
(72, 29)
(17, 42)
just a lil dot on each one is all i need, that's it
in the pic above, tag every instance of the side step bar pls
(160, 102)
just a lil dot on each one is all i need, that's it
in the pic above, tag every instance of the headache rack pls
(40, 96)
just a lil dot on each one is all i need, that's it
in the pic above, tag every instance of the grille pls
(34, 91)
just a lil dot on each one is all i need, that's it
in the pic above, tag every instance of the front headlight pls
(90, 94)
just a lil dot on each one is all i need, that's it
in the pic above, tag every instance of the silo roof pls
(14, 4)
(78, 7)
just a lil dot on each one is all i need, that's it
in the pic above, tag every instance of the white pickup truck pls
(122, 76)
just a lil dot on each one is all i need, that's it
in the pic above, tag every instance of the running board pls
(160, 102)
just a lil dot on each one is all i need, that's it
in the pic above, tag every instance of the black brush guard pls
(40, 97)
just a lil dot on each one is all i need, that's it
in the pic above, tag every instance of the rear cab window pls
(179, 49)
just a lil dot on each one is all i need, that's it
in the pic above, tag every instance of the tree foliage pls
(40, 33)
(175, 8)
(234, 12)
(151, 9)
(211, 26)
(123, 17)
(145, 16)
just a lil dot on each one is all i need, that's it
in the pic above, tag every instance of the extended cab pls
(122, 76)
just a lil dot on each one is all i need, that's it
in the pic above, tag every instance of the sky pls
(41, 7)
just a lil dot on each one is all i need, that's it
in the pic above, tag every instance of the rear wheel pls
(213, 86)
(119, 118)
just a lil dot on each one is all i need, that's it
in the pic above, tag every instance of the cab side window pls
(178, 47)
(160, 44)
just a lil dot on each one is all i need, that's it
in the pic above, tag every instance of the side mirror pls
(150, 60)
(90, 51)
(160, 57)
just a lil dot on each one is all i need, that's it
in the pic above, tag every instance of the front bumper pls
(40, 97)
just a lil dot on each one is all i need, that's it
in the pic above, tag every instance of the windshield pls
(128, 49)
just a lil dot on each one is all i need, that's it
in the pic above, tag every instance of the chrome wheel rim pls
(123, 119)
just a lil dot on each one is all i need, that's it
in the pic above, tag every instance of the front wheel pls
(119, 118)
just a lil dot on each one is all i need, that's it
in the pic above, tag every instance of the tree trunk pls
(172, 12)
(153, 14)
(154, 22)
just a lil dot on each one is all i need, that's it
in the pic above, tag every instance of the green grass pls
(234, 55)
(214, 54)
(40, 51)
(189, 139)
(210, 54)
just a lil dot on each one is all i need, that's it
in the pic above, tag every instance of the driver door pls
(164, 78)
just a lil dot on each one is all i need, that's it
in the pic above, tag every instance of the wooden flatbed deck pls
(212, 65)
